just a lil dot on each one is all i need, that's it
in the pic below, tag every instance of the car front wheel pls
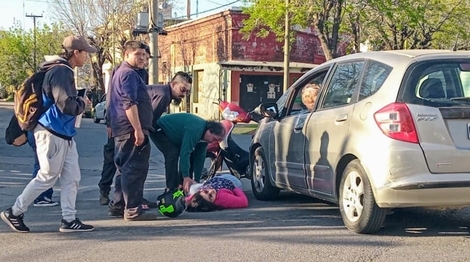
(357, 204)
(260, 179)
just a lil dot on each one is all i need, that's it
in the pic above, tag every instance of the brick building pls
(228, 66)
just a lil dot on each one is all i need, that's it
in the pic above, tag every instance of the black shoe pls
(116, 213)
(104, 200)
(149, 203)
(143, 216)
(115, 210)
(15, 222)
(74, 226)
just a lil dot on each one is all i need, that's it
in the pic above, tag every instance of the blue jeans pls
(48, 193)
(234, 180)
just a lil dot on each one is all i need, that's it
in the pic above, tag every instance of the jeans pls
(171, 153)
(109, 168)
(32, 143)
(133, 163)
(234, 180)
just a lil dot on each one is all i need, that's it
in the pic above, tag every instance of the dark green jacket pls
(186, 132)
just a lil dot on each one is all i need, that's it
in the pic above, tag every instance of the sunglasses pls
(185, 90)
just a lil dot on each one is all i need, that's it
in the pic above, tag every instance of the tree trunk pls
(325, 47)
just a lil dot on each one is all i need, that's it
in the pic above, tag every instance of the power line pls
(209, 10)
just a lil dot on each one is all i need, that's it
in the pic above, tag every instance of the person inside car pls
(309, 96)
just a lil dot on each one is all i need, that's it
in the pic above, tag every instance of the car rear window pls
(439, 83)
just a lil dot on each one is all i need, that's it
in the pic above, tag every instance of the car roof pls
(400, 57)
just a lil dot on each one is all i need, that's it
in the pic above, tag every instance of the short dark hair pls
(186, 77)
(132, 45)
(147, 49)
(215, 127)
(199, 204)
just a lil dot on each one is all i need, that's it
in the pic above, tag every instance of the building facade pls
(228, 65)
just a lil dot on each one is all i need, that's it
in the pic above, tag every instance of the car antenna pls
(455, 44)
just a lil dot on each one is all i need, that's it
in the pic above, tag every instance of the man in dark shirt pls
(130, 114)
(109, 168)
(161, 96)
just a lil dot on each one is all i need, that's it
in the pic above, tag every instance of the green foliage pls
(269, 16)
(385, 24)
(408, 24)
(17, 51)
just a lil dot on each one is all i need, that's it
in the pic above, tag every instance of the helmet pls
(171, 203)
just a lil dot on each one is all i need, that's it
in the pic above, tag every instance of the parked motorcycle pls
(228, 151)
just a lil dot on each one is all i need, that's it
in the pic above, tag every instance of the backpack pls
(28, 99)
(13, 133)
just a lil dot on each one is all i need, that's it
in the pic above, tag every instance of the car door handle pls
(342, 118)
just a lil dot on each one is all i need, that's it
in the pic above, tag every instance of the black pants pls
(133, 163)
(109, 168)
(171, 153)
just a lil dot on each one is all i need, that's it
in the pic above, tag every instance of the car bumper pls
(429, 190)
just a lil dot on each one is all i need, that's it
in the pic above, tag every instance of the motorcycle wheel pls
(214, 164)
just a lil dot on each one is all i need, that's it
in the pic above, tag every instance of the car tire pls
(95, 119)
(357, 205)
(261, 184)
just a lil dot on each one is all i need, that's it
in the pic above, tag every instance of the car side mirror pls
(269, 110)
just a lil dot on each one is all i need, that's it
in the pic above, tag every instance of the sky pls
(16, 10)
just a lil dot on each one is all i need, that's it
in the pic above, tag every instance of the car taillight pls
(396, 122)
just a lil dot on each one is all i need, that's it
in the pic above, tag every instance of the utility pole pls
(188, 9)
(34, 36)
(286, 48)
(153, 35)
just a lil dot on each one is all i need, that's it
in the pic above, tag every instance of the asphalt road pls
(293, 228)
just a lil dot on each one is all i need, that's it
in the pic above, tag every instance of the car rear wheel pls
(357, 204)
(260, 178)
(95, 119)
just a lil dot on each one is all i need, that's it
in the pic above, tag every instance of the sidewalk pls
(5, 104)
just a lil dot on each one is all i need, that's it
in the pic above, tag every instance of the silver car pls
(99, 113)
(389, 129)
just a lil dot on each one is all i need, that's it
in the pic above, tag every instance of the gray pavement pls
(291, 228)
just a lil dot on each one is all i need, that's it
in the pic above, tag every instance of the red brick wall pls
(217, 38)
(306, 47)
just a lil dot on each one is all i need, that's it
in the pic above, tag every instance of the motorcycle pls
(228, 151)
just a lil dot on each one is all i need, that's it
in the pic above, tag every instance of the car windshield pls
(439, 83)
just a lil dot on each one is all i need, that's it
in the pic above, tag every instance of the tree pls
(404, 24)
(108, 24)
(325, 15)
(17, 49)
